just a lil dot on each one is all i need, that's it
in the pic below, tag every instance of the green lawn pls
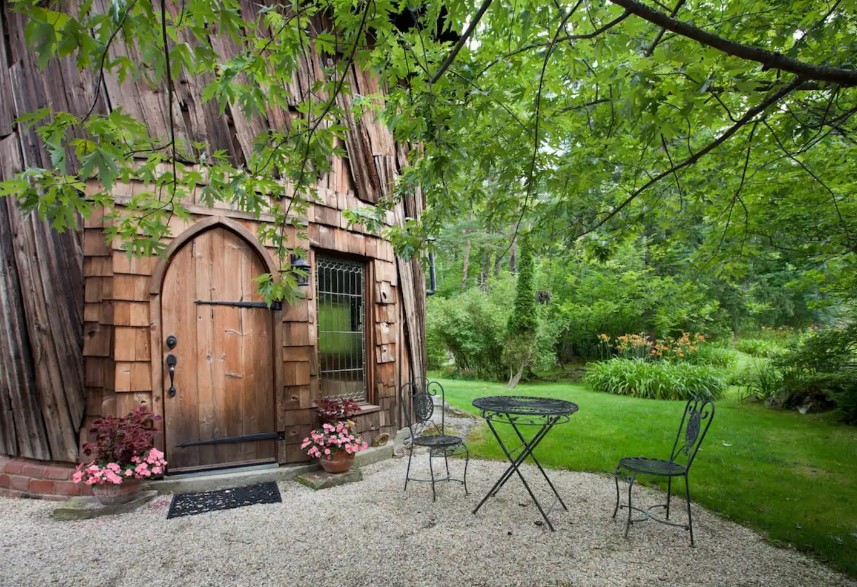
(791, 477)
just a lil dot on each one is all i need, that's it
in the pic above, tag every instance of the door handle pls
(171, 366)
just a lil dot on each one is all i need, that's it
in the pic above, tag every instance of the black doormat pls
(188, 504)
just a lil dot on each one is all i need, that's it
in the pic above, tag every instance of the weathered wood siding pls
(83, 337)
(41, 379)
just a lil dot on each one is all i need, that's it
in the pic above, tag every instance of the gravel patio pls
(373, 533)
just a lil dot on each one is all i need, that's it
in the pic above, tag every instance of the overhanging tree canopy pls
(580, 116)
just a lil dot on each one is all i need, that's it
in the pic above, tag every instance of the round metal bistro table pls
(520, 412)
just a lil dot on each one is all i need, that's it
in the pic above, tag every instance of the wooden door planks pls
(179, 318)
(225, 353)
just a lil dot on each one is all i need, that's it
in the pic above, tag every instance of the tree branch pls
(103, 59)
(661, 32)
(172, 118)
(744, 120)
(537, 116)
(818, 180)
(461, 42)
(737, 196)
(769, 59)
(562, 39)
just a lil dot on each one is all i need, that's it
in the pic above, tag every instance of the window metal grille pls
(340, 301)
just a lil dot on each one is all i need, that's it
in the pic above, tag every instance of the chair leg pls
(689, 517)
(408, 472)
(669, 495)
(431, 469)
(466, 462)
(616, 479)
(630, 486)
(446, 462)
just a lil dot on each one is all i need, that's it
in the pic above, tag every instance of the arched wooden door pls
(222, 392)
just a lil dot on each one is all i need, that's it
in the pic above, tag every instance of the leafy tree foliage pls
(727, 125)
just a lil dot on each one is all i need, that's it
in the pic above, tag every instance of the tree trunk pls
(516, 378)
(513, 257)
(485, 269)
(465, 265)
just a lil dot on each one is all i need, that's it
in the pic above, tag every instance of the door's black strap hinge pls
(281, 435)
(240, 304)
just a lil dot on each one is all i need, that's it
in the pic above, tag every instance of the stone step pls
(324, 480)
(212, 480)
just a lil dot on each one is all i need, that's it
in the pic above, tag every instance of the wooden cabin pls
(88, 331)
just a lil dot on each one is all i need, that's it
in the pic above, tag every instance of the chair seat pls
(650, 466)
(438, 440)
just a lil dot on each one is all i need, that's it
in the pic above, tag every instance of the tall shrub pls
(470, 328)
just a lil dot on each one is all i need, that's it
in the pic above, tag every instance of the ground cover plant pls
(760, 347)
(791, 477)
(654, 380)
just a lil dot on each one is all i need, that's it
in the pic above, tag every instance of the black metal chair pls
(418, 403)
(695, 421)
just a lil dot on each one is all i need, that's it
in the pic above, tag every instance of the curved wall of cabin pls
(77, 331)
(42, 398)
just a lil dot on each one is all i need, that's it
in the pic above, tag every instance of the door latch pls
(171, 366)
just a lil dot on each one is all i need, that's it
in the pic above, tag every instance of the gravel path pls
(373, 533)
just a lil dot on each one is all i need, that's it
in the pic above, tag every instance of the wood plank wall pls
(123, 337)
(41, 380)
(95, 355)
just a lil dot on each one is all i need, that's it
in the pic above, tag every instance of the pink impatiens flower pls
(331, 437)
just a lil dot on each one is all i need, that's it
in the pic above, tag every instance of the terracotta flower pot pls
(111, 494)
(338, 462)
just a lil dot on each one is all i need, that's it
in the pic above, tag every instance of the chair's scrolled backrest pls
(417, 399)
(695, 422)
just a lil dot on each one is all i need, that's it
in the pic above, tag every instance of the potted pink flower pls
(334, 445)
(123, 454)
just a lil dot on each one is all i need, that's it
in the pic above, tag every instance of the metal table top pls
(519, 405)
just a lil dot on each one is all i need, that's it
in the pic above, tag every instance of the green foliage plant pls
(760, 347)
(763, 382)
(820, 368)
(714, 355)
(663, 380)
(471, 329)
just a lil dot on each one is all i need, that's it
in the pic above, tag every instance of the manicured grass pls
(791, 477)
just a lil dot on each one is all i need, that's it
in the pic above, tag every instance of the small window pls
(340, 298)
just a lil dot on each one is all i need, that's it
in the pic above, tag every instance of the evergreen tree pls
(522, 322)
(521, 331)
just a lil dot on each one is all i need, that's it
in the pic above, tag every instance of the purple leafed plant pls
(333, 409)
(121, 439)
